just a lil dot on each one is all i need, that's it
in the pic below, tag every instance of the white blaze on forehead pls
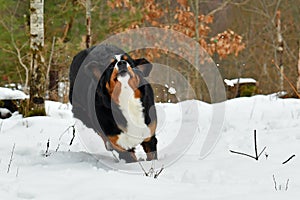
(118, 57)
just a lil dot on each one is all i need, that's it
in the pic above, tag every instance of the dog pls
(123, 100)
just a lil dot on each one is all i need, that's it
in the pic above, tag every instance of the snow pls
(4, 113)
(172, 90)
(7, 93)
(85, 170)
(233, 82)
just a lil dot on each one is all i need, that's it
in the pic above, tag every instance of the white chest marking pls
(132, 109)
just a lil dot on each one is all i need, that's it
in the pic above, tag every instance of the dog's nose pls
(122, 65)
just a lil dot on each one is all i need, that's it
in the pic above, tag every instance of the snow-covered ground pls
(85, 170)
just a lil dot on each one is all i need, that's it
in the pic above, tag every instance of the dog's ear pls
(93, 71)
(144, 65)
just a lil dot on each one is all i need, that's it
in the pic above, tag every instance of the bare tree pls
(14, 48)
(88, 40)
(37, 68)
(298, 79)
(280, 47)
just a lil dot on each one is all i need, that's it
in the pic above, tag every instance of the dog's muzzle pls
(122, 68)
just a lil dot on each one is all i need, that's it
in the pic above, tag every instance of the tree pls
(88, 40)
(298, 78)
(182, 16)
(259, 26)
(37, 67)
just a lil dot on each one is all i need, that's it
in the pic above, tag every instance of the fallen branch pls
(256, 157)
(288, 159)
(11, 157)
(243, 154)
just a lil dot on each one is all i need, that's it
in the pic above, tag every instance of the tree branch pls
(287, 79)
(49, 64)
(256, 157)
(221, 7)
(288, 159)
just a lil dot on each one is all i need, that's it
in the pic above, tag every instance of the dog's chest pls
(136, 131)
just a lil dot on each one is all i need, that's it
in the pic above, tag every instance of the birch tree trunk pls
(298, 79)
(280, 47)
(37, 67)
(88, 41)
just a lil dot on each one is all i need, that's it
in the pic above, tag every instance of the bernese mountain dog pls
(123, 100)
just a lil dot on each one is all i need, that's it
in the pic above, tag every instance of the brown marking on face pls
(125, 57)
(114, 86)
(116, 92)
(113, 140)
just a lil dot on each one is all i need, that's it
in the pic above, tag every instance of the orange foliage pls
(223, 44)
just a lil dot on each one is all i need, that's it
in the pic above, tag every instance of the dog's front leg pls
(149, 146)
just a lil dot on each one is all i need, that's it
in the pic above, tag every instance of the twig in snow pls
(151, 172)
(261, 152)
(25, 123)
(280, 187)
(267, 155)
(56, 150)
(275, 184)
(71, 142)
(287, 185)
(158, 172)
(65, 131)
(11, 157)
(288, 159)
(243, 154)
(47, 148)
(146, 174)
(17, 174)
(256, 157)
(2, 121)
(73, 126)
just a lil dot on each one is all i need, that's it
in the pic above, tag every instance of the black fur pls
(87, 89)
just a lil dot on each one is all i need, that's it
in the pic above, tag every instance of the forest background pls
(242, 37)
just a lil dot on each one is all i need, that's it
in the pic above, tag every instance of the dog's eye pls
(125, 57)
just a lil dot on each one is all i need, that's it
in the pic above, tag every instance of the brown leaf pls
(183, 3)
